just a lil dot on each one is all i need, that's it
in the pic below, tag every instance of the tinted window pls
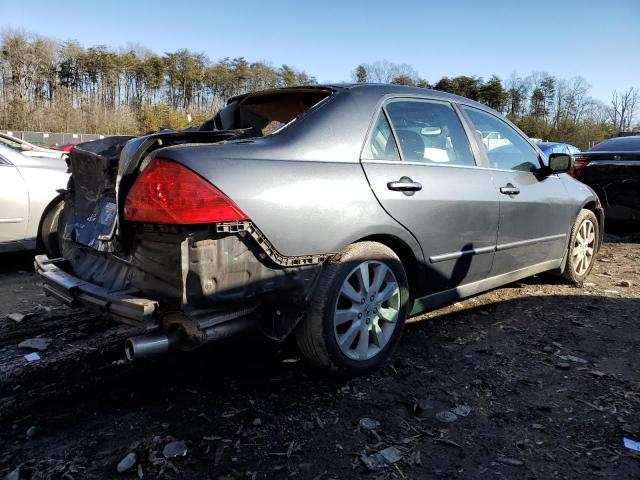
(620, 144)
(381, 144)
(509, 151)
(429, 132)
(573, 150)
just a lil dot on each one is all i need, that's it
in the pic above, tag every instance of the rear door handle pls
(404, 186)
(509, 189)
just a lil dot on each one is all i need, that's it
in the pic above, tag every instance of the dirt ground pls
(547, 374)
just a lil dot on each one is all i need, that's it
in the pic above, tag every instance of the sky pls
(598, 40)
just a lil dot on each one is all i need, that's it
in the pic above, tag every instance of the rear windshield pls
(619, 144)
(264, 113)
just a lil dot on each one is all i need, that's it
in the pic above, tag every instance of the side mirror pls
(560, 162)
(25, 148)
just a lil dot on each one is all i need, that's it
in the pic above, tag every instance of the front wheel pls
(358, 310)
(583, 246)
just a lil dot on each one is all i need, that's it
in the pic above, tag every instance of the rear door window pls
(505, 148)
(429, 131)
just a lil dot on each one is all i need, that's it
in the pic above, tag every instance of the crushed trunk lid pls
(102, 173)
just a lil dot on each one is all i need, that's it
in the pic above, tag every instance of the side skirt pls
(14, 246)
(433, 300)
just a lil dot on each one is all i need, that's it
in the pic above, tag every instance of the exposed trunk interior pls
(267, 111)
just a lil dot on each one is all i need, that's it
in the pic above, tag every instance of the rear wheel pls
(49, 238)
(583, 246)
(358, 310)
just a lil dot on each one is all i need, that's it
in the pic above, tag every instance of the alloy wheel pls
(366, 311)
(583, 247)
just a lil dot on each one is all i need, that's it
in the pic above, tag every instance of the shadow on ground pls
(16, 261)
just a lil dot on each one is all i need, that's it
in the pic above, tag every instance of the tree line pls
(542, 105)
(50, 85)
(61, 86)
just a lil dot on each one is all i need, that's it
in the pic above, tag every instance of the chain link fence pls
(44, 139)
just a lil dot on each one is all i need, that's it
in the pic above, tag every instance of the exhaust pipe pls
(146, 346)
(229, 329)
(158, 343)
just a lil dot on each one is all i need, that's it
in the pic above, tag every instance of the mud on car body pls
(333, 212)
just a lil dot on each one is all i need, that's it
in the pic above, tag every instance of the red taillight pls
(167, 192)
(578, 164)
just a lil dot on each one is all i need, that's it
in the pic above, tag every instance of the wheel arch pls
(406, 256)
(52, 204)
(594, 206)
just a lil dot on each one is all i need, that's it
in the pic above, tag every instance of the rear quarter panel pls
(302, 207)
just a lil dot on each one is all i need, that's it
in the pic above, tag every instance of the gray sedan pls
(29, 200)
(330, 213)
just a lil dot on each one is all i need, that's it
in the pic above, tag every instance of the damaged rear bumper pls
(186, 285)
(204, 286)
(122, 305)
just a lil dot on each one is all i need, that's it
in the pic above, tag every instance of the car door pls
(534, 208)
(14, 201)
(432, 185)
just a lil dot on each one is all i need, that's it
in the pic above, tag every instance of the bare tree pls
(385, 72)
(623, 108)
(571, 101)
(576, 98)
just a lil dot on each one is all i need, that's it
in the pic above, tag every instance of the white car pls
(493, 140)
(30, 200)
(28, 149)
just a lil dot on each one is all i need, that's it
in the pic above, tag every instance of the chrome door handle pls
(509, 189)
(404, 186)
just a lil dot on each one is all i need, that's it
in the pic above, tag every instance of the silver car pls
(331, 213)
(30, 200)
(29, 149)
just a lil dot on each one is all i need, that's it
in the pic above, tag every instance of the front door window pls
(505, 148)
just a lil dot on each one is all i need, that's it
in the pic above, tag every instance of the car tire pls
(49, 238)
(356, 302)
(583, 246)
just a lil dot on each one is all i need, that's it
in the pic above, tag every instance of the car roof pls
(627, 143)
(377, 89)
(392, 88)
